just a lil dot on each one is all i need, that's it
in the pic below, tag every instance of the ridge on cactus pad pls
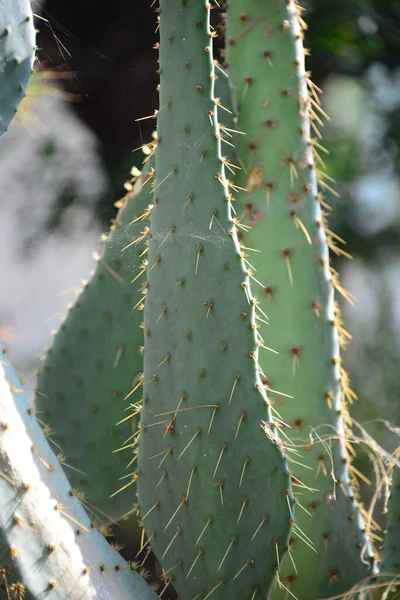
(17, 51)
(84, 388)
(280, 204)
(213, 485)
(48, 546)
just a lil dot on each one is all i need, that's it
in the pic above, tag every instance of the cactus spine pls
(85, 384)
(48, 546)
(214, 490)
(17, 51)
(282, 206)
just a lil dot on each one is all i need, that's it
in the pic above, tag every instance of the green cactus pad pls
(214, 490)
(281, 206)
(391, 549)
(17, 51)
(84, 387)
(48, 546)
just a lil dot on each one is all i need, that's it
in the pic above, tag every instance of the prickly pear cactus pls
(391, 549)
(17, 51)
(213, 485)
(48, 546)
(90, 383)
(281, 207)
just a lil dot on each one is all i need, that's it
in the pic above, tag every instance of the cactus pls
(213, 482)
(391, 548)
(48, 546)
(214, 490)
(282, 209)
(85, 383)
(17, 51)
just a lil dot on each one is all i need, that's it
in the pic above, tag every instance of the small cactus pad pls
(85, 385)
(17, 51)
(214, 490)
(281, 207)
(48, 546)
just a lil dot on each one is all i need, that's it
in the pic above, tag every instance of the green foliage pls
(17, 51)
(84, 386)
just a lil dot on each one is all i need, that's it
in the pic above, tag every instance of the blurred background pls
(65, 159)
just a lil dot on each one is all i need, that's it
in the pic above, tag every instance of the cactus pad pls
(214, 490)
(17, 51)
(84, 386)
(48, 546)
(276, 104)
